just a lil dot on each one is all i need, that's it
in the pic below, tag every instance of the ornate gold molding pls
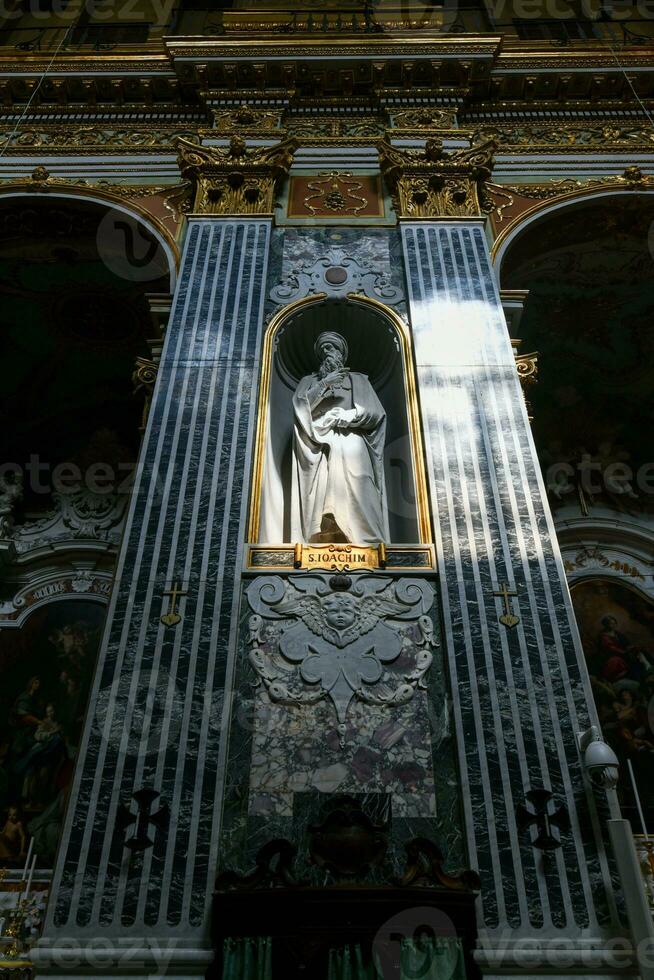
(246, 119)
(90, 137)
(552, 137)
(632, 178)
(423, 118)
(432, 183)
(235, 181)
(568, 190)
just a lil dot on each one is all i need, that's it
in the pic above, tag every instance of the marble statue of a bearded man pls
(338, 491)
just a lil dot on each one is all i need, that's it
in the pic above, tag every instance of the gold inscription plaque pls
(338, 557)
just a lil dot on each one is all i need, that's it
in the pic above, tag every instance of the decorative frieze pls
(235, 181)
(433, 183)
(572, 137)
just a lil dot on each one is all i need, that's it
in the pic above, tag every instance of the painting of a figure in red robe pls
(617, 631)
(46, 669)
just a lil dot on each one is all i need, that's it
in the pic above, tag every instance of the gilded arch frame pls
(96, 195)
(400, 329)
(543, 209)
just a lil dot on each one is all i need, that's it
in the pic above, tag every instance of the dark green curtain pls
(435, 959)
(247, 959)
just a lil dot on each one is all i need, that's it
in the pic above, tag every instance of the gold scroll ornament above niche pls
(336, 194)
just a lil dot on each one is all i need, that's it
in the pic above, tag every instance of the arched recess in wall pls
(616, 624)
(76, 270)
(587, 265)
(378, 348)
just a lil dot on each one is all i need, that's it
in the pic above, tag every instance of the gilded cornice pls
(432, 183)
(235, 180)
(81, 62)
(420, 44)
(530, 59)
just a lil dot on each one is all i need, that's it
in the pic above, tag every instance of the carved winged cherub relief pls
(340, 640)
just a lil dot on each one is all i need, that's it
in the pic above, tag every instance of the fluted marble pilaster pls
(156, 713)
(520, 694)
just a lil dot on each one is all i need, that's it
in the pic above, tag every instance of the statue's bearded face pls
(340, 611)
(331, 359)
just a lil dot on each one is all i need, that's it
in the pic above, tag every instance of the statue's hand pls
(334, 376)
(338, 418)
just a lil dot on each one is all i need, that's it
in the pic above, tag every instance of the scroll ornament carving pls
(235, 180)
(426, 117)
(337, 274)
(246, 118)
(81, 514)
(433, 183)
(340, 634)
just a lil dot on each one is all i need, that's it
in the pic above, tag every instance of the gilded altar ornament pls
(235, 180)
(434, 183)
(342, 634)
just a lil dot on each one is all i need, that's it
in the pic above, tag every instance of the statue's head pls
(331, 346)
(340, 610)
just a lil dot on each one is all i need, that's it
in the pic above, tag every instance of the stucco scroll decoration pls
(340, 634)
(337, 274)
(78, 514)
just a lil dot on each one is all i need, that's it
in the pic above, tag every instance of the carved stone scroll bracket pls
(342, 640)
(336, 274)
(235, 180)
(434, 183)
(527, 368)
(143, 379)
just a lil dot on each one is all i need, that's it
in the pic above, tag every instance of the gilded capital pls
(433, 183)
(234, 180)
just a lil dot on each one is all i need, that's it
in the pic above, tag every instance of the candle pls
(27, 859)
(29, 880)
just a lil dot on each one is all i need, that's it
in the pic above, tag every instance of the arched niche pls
(586, 265)
(76, 273)
(378, 348)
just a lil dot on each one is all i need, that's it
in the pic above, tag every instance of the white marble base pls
(122, 958)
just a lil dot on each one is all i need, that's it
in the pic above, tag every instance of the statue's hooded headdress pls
(333, 338)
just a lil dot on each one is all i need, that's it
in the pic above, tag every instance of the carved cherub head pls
(237, 147)
(340, 610)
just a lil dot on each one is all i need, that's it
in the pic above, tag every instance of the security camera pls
(600, 761)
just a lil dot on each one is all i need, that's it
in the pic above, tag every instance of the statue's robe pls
(339, 471)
